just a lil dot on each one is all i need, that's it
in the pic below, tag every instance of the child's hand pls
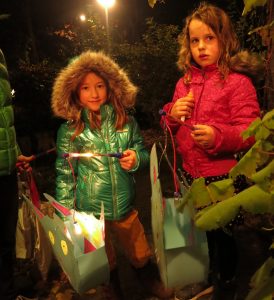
(128, 161)
(23, 163)
(203, 135)
(183, 106)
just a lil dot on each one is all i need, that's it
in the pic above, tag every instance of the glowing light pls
(82, 17)
(88, 154)
(91, 228)
(106, 3)
(77, 228)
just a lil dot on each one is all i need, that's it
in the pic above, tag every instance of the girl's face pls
(204, 44)
(92, 92)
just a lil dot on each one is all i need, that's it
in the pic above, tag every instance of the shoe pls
(150, 278)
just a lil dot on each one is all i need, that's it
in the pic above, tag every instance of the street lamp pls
(107, 4)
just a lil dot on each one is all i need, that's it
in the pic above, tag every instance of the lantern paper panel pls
(180, 248)
(84, 270)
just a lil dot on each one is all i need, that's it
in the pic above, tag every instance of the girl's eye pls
(194, 41)
(210, 37)
(100, 86)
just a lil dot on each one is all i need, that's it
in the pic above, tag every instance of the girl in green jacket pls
(92, 94)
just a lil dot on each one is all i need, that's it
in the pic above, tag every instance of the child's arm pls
(179, 107)
(65, 172)
(244, 109)
(136, 156)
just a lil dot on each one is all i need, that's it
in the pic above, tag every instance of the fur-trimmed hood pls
(68, 79)
(249, 64)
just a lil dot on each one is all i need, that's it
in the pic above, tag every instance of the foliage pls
(32, 84)
(258, 166)
(151, 65)
(149, 61)
(244, 24)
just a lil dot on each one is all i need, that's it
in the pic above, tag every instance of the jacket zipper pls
(195, 118)
(112, 176)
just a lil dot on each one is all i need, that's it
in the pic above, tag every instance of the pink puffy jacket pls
(228, 106)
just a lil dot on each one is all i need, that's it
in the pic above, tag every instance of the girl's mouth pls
(203, 56)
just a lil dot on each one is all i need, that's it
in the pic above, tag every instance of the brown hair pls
(221, 25)
(121, 116)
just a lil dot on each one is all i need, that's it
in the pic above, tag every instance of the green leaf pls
(250, 131)
(268, 119)
(248, 163)
(250, 4)
(199, 193)
(266, 123)
(221, 190)
(263, 282)
(152, 3)
(265, 177)
(252, 199)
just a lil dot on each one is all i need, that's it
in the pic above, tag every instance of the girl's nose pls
(201, 44)
(94, 93)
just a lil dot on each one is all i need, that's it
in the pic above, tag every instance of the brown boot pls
(150, 278)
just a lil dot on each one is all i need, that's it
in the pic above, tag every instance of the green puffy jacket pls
(8, 146)
(99, 179)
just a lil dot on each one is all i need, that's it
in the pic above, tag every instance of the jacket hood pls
(67, 81)
(249, 64)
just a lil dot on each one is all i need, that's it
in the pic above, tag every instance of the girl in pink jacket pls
(219, 102)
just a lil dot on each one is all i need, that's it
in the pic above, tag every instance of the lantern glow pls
(91, 228)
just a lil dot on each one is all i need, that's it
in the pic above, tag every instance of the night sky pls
(51, 12)
(129, 15)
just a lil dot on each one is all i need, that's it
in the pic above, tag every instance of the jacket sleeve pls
(244, 109)
(137, 144)
(66, 170)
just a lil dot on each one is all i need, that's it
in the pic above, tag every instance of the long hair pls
(221, 25)
(121, 116)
